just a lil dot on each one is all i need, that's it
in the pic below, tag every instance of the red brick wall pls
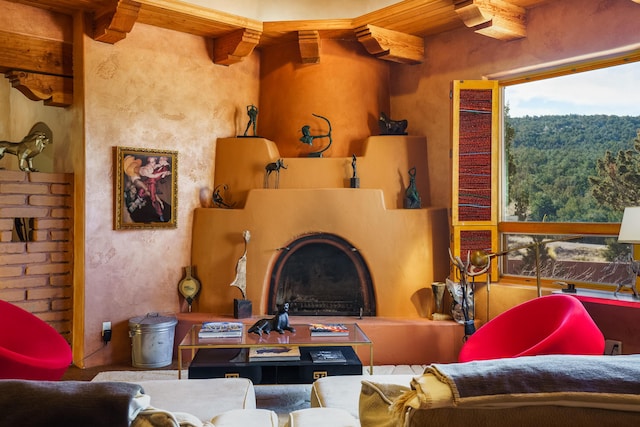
(37, 275)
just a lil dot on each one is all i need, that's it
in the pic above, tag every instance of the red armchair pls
(553, 324)
(30, 349)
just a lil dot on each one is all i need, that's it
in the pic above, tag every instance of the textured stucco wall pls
(155, 89)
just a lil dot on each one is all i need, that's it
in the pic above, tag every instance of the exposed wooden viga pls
(112, 24)
(391, 45)
(493, 18)
(39, 68)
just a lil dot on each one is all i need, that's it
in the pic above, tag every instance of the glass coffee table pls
(227, 357)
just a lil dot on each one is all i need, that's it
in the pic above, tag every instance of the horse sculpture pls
(273, 167)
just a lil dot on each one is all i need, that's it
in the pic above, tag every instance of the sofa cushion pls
(246, 417)
(375, 403)
(344, 391)
(321, 417)
(28, 403)
(203, 398)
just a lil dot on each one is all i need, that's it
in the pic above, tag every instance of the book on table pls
(327, 356)
(328, 329)
(280, 353)
(220, 330)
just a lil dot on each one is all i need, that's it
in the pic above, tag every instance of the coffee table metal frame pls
(301, 337)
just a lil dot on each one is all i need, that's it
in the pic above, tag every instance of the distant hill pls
(554, 157)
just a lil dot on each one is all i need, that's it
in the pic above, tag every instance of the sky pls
(611, 91)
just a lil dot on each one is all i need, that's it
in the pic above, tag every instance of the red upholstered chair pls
(30, 349)
(553, 324)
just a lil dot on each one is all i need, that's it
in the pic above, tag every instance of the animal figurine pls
(392, 127)
(273, 167)
(30, 146)
(278, 323)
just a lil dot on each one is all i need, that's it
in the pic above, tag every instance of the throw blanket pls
(69, 403)
(606, 382)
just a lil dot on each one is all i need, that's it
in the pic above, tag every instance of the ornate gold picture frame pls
(146, 188)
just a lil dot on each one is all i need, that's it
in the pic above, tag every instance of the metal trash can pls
(152, 340)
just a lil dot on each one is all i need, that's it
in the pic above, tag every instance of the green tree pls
(617, 184)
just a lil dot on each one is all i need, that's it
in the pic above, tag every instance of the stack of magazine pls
(220, 330)
(281, 353)
(327, 356)
(328, 330)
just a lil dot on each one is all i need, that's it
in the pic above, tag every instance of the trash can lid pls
(153, 319)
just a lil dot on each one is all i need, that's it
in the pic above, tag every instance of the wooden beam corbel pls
(309, 44)
(55, 91)
(114, 23)
(391, 45)
(498, 19)
(235, 46)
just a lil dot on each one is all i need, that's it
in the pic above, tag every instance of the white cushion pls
(321, 417)
(204, 398)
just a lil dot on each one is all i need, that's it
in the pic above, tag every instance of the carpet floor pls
(282, 399)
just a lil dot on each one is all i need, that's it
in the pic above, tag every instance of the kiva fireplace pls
(323, 247)
(321, 274)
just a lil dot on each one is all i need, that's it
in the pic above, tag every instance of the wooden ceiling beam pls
(55, 91)
(498, 19)
(391, 45)
(235, 46)
(309, 44)
(114, 23)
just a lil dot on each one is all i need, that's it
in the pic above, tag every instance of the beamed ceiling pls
(394, 33)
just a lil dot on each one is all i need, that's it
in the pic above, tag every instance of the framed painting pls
(146, 188)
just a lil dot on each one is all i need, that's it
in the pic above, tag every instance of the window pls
(562, 194)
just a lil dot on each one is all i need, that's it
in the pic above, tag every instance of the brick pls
(60, 236)
(23, 188)
(13, 248)
(12, 295)
(65, 189)
(57, 178)
(13, 199)
(19, 259)
(23, 212)
(35, 247)
(61, 256)
(6, 224)
(6, 236)
(13, 176)
(45, 293)
(62, 280)
(48, 200)
(11, 271)
(25, 282)
(62, 304)
(49, 224)
(61, 213)
(33, 270)
(35, 307)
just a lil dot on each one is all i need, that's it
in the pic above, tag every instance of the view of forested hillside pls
(550, 160)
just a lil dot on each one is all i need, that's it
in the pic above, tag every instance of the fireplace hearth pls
(322, 274)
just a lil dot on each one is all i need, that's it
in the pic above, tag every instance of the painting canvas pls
(146, 188)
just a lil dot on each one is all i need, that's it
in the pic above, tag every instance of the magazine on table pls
(220, 330)
(328, 329)
(279, 353)
(327, 356)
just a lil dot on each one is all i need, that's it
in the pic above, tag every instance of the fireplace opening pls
(321, 274)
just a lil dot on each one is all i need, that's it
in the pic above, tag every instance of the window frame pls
(552, 70)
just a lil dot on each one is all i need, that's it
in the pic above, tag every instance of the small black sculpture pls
(355, 181)
(392, 127)
(252, 111)
(307, 138)
(219, 199)
(273, 167)
(412, 198)
(278, 323)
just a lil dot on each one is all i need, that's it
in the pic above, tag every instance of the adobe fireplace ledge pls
(396, 341)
